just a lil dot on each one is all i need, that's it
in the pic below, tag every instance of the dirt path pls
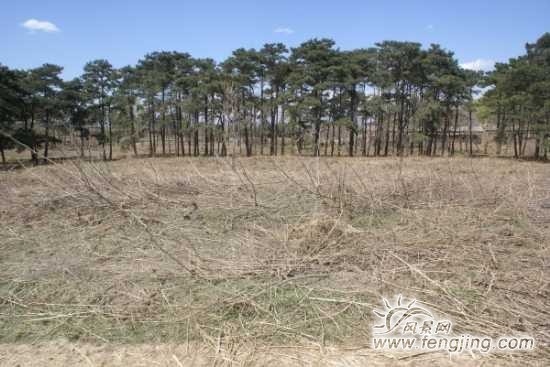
(78, 354)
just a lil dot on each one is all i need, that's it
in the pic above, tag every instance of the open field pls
(237, 258)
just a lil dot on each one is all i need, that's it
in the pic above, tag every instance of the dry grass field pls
(260, 261)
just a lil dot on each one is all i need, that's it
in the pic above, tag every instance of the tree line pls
(394, 98)
(518, 100)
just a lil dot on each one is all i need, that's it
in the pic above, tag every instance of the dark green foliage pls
(519, 99)
(394, 98)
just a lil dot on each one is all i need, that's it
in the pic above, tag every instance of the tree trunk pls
(110, 134)
(387, 142)
(248, 147)
(262, 116)
(401, 124)
(332, 128)
(34, 155)
(196, 150)
(152, 137)
(81, 142)
(206, 143)
(516, 152)
(444, 133)
(318, 126)
(326, 140)
(470, 133)
(352, 121)
(47, 137)
(163, 127)
(364, 138)
(2, 151)
(339, 140)
(189, 134)
(133, 128)
(283, 132)
(454, 131)
(274, 112)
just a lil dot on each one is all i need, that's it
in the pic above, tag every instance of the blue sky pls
(72, 32)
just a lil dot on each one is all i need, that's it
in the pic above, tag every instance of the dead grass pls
(62, 353)
(266, 252)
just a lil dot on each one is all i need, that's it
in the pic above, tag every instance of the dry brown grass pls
(257, 253)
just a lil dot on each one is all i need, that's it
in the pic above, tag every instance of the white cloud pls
(284, 30)
(479, 65)
(430, 27)
(40, 25)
